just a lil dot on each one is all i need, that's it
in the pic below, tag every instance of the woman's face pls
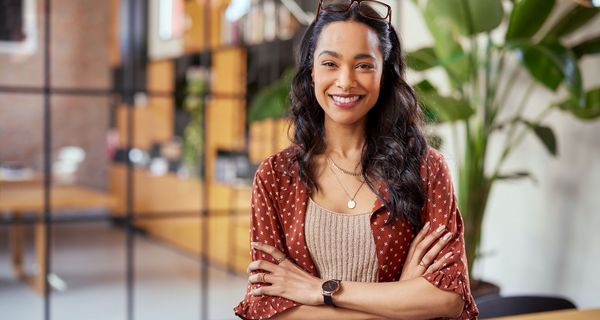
(347, 71)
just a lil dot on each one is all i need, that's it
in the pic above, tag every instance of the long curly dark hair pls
(394, 143)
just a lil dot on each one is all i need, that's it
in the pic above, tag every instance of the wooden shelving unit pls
(168, 197)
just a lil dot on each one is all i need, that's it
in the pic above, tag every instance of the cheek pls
(372, 83)
(323, 81)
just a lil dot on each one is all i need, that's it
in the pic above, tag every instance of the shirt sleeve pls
(265, 228)
(442, 209)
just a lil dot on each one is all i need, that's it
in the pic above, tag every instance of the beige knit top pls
(340, 244)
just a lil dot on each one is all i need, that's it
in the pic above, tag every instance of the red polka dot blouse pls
(279, 201)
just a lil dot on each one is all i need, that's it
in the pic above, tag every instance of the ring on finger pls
(261, 277)
(280, 260)
(422, 264)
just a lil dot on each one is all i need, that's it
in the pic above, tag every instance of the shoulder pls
(279, 165)
(432, 163)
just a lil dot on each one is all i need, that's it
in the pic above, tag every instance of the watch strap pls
(328, 300)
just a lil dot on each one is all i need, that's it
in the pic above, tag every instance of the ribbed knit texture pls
(340, 244)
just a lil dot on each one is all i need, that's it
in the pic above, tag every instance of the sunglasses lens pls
(335, 5)
(374, 9)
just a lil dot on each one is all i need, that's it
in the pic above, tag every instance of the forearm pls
(303, 312)
(409, 299)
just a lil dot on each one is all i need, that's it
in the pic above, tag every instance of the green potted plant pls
(473, 42)
(193, 134)
(267, 118)
(272, 101)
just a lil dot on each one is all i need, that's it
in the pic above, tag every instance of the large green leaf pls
(551, 64)
(444, 109)
(546, 136)
(570, 69)
(527, 17)
(422, 59)
(516, 175)
(446, 46)
(468, 16)
(589, 111)
(589, 46)
(571, 21)
(272, 101)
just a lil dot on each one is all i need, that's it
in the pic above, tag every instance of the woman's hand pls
(286, 279)
(421, 254)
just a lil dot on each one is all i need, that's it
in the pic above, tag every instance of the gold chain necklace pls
(354, 174)
(351, 202)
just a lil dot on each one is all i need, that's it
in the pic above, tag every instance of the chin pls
(346, 120)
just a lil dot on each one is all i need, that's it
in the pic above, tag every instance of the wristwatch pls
(328, 288)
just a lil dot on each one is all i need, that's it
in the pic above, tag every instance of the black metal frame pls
(128, 80)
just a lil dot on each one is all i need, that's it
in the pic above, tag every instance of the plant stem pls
(508, 142)
(509, 86)
(474, 72)
(457, 151)
(487, 115)
(494, 86)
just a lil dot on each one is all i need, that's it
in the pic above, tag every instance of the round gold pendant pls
(351, 204)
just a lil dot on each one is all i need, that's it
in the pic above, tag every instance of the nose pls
(346, 80)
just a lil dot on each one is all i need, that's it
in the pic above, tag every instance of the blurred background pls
(130, 131)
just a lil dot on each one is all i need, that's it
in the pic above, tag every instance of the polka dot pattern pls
(279, 201)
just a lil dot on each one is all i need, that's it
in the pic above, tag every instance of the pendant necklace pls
(354, 174)
(351, 202)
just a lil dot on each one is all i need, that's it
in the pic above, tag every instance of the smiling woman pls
(347, 86)
(359, 214)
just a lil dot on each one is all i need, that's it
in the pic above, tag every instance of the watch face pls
(330, 286)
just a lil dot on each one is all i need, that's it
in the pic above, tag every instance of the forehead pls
(348, 38)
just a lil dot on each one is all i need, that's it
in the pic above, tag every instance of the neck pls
(345, 141)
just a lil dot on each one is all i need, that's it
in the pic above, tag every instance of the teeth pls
(345, 99)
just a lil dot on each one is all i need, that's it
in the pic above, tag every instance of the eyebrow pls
(339, 56)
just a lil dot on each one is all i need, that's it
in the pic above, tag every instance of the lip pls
(348, 104)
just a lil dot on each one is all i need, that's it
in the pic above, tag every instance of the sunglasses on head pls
(367, 8)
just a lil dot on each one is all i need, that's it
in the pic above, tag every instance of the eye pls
(328, 64)
(365, 66)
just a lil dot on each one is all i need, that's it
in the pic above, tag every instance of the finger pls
(265, 290)
(272, 251)
(261, 265)
(261, 278)
(426, 243)
(439, 264)
(418, 238)
(435, 250)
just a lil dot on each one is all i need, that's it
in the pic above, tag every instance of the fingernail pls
(254, 244)
(448, 255)
(447, 236)
(440, 229)
(426, 226)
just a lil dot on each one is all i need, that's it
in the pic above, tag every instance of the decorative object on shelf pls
(233, 168)
(272, 101)
(66, 164)
(166, 24)
(260, 21)
(15, 171)
(473, 40)
(193, 135)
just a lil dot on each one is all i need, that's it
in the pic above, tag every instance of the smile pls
(345, 101)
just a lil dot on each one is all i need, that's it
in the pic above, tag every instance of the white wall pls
(541, 238)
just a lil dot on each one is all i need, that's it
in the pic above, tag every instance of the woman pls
(358, 219)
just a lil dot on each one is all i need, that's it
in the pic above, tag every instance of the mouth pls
(345, 101)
